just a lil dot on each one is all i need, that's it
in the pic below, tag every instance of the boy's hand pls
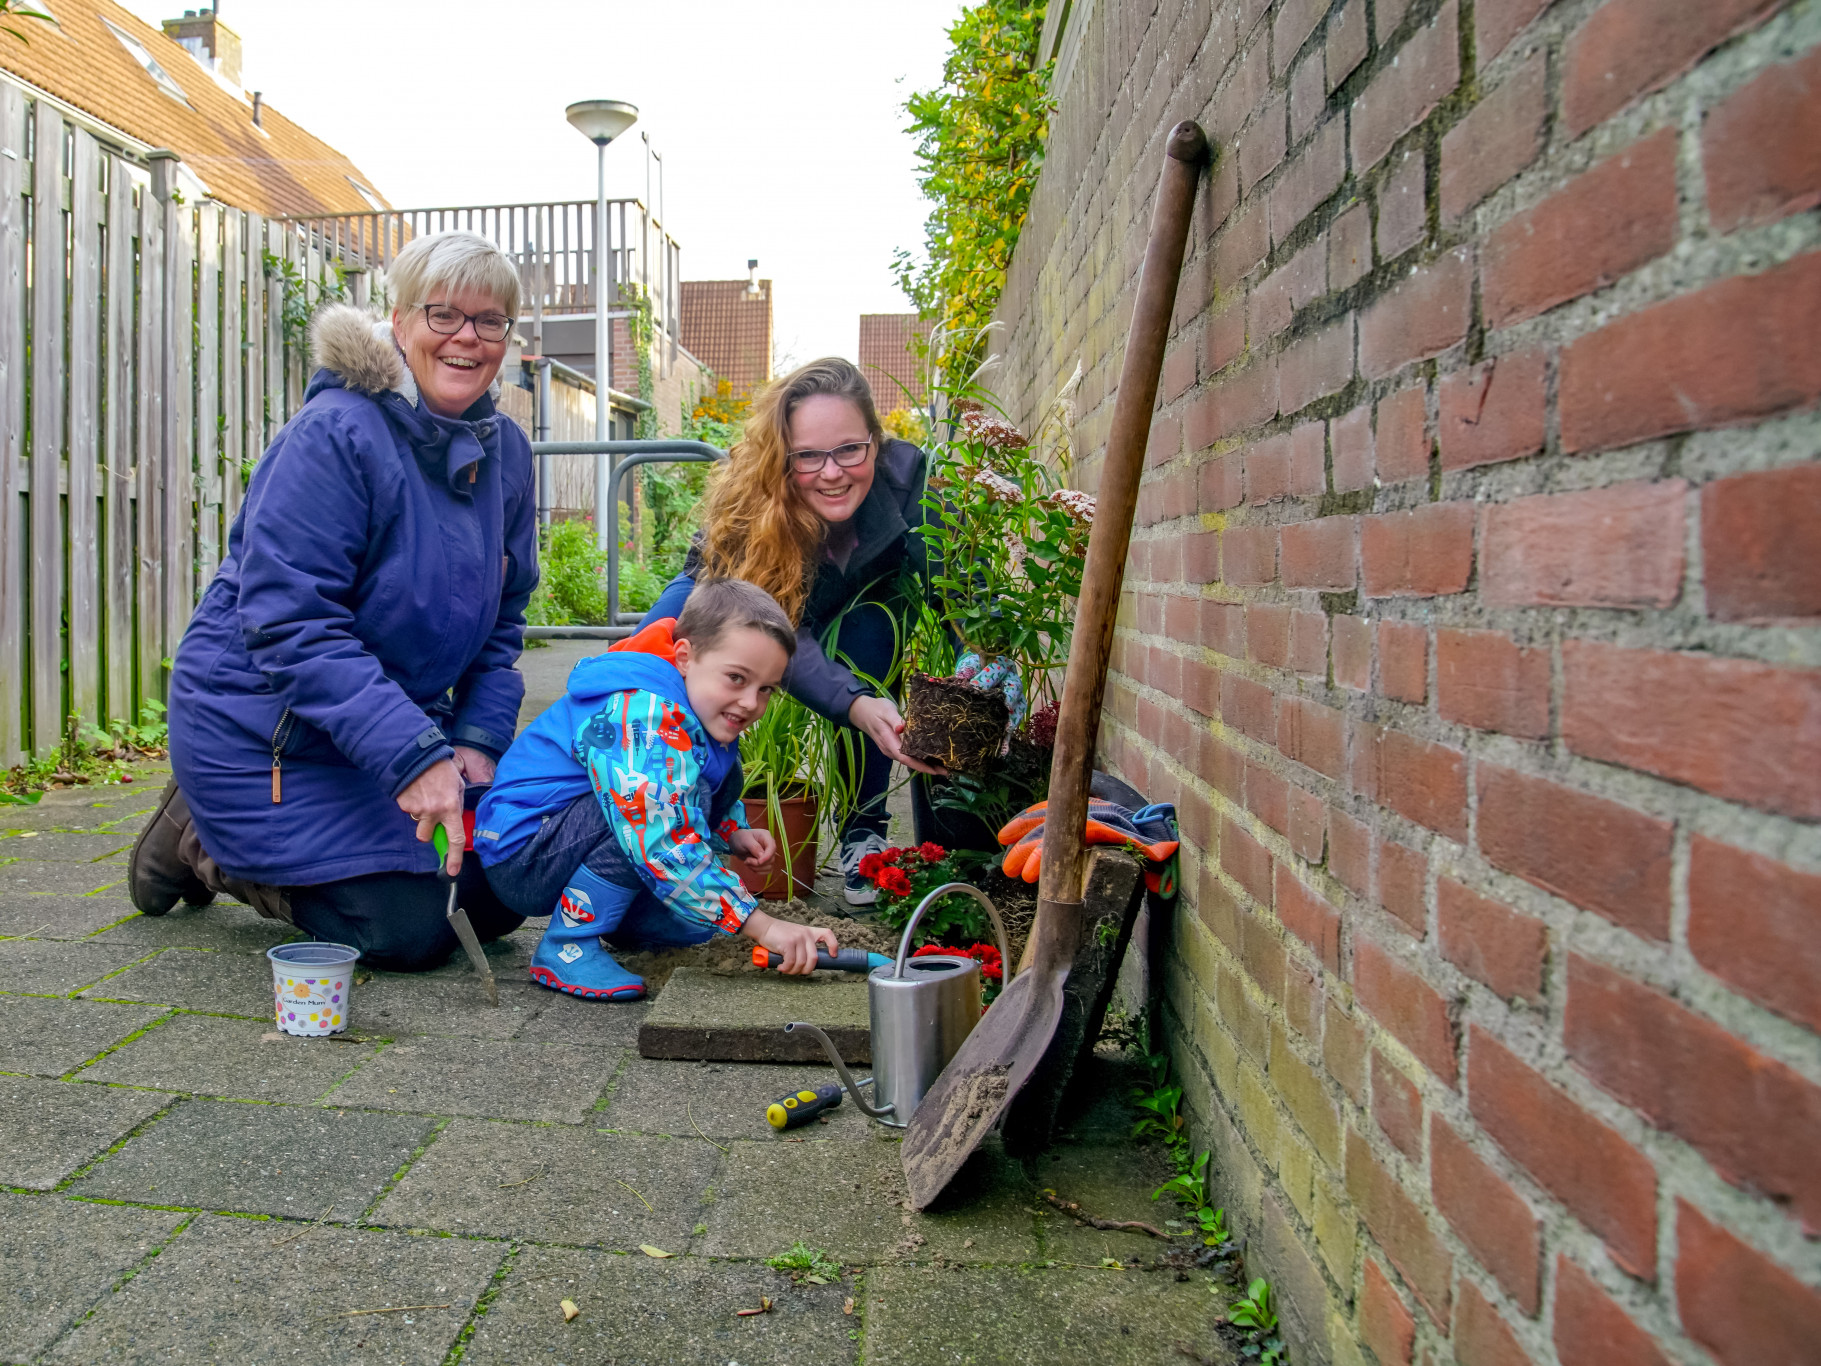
(757, 847)
(797, 943)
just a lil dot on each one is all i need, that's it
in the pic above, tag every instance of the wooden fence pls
(144, 365)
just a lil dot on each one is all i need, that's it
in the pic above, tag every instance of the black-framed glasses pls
(847, 457)
(490, 327)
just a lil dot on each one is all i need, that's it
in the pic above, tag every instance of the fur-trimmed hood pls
(358, 346)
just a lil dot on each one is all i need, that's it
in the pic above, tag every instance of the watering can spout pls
(847, 1078)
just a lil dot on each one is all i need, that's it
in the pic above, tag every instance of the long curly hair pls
(757, 526)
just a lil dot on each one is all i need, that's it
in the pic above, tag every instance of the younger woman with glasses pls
(819, 508)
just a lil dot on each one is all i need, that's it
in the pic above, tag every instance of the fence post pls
(12, 401)
(82, 647)
(48, 374)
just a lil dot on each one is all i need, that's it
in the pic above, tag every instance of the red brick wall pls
(1473, 622)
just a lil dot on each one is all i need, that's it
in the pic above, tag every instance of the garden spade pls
(1012, 1037)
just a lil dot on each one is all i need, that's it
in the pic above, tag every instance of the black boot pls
(159, 876)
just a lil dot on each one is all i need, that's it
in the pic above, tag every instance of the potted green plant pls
(1006, 548)
(792, 787)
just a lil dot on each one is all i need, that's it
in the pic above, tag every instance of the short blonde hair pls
(454, 262)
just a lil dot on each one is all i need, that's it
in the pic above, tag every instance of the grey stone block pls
(921, 1316)
(220, 983)
(264, 1159)
(848, 1199)
(61, 917)
(48, 1035)
(38, 875)
(241, 1059)
(49, 1129)
(726, 1099)
(562, 1018)
(547, 1083)
(1108, 1183)
(235, 1290)
(64, 846)
(741, 1017)
(54, 967)
(394, 1005)
(222, 925)
(60, 1257)
(556, 1185)
(641, 1312)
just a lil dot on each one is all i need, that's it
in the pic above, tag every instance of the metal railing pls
(608, 472)
(552, 243)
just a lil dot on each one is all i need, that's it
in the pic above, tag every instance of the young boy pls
(607, 812)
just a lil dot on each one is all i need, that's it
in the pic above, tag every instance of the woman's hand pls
(757, 847)
(476, 765)
(878, 718)
(797, 943)
(435, 798)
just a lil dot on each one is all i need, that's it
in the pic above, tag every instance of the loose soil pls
(728, 954)
(954, 724)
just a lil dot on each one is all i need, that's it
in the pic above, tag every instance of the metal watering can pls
(921, 1009)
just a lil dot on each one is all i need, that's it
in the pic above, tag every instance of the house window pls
(138, 52)
(368, 195)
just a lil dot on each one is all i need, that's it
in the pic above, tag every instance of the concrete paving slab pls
(395, 1005)
(56, 967)
(64, 846)
(48, 1035)
(562, 1018)
(38, 875)
(921, 1316)
(49, 1129)
(556, 1185)
(61, 917)
(222, 1292)
(509, 956)
(741, 1017)
(1108, 1183)
(220, 983)
(60, 1257)
(207, 1055)
(727, 1099)
(848, 1199)
(263, 1159)
(641, 1312)
(490, 1079)
(222, 925)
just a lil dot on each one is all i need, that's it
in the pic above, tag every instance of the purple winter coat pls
(368, 616)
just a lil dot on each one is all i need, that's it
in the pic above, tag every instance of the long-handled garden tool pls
(1010, 1041)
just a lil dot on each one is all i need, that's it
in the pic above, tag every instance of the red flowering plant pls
(905, 876)
(992, 968)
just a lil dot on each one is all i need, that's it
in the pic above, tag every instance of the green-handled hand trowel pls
(458, 918)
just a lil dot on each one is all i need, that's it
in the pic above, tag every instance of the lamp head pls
(601, 121)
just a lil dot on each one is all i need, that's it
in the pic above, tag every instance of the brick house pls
(138, 90)
(1472, 625)
(889, 360)
(727, 325)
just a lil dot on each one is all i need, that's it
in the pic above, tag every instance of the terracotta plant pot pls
(798, 837)
(953, 724)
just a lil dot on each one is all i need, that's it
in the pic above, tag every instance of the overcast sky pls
(780, 121)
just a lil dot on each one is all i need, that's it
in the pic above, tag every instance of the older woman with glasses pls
(819, 508)
(352, 669)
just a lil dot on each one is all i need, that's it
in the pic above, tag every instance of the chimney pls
(209, 41)
(258, 101)
(752, 278)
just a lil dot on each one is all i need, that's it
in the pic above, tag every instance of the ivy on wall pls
(979, 150)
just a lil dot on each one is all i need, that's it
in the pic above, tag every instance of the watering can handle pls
(992, 911)
(847, 1078)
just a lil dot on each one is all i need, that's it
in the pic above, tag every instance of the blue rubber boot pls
(571, 957)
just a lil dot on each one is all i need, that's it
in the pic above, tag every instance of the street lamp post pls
(601, 121)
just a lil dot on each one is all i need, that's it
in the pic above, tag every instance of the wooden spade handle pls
(1084, 685)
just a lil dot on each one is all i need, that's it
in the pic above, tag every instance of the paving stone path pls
(178, 1180)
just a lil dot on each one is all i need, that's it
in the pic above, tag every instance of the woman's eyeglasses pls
(847, 457)
(489, 327)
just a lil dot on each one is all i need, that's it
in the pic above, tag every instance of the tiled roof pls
(729, 330)
(277, 171)
(888, 360)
